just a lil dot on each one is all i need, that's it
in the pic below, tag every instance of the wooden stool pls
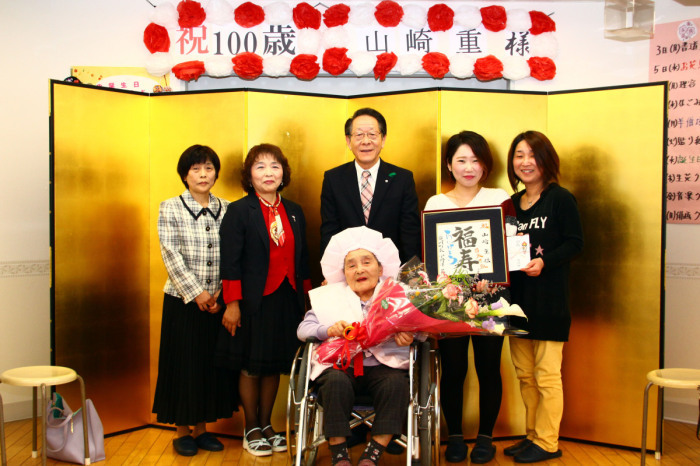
(41, 377)
(671, 378)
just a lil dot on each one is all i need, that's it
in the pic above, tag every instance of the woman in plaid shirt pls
(190, 390)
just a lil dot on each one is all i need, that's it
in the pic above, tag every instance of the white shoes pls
(278, 442)
(257, 447)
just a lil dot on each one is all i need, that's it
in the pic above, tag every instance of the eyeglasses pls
(360, 136)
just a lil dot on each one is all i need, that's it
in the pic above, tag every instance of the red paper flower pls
(440, 17)
(488, 68)
(249, 14)
(542, 68)
(494, 18)
(191, 14)
(436, 64)
(247, 65)
(385, 63)
(156, 38)
(337, 15)
(306, 16)
(336, 61)
(541, 23)
(304, 66)
(189, 70)
(388, 13)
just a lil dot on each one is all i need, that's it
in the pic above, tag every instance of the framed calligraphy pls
(470, 241)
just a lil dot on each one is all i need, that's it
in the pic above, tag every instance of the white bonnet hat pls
(351, 239)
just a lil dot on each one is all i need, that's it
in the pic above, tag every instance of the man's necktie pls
(366, 194)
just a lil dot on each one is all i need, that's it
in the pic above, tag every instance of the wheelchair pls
(422, 437)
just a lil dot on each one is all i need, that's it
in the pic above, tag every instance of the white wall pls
(41, 39)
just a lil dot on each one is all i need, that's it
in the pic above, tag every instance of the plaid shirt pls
(189, 244)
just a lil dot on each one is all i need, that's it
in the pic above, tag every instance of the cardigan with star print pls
(556, 236)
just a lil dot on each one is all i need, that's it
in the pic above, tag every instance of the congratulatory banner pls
(384, 39)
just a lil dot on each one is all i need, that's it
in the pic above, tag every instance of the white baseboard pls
(681, 412)
(18, 410)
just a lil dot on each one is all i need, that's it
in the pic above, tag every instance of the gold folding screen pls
(101, 272)
(115, 156)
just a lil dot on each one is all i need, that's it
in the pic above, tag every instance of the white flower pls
(218, 67)
(278, 13)
(362, 14)
(276, 65)
(336, 37)
(414, 16)
(468, 17)
(544, 45)
(515, 68)
(409, 64)
(506, 309)
(159, 63)
(462, 65)
(166, 15)
(518, 20)
(308, 41)
(362, 62)
(219, 12)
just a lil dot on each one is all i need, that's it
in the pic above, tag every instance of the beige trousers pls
(538, 367)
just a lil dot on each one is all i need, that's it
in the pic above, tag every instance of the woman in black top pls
(549, 214)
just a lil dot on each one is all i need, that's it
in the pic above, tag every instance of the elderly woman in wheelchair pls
(355, 262)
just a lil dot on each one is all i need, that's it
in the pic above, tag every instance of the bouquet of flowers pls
(448, 306)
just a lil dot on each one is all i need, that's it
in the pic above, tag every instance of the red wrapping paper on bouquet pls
(389, 312)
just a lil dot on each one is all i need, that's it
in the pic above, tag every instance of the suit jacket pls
(245, 249)
(394, 210)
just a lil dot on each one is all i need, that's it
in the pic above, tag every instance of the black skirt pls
(190, 387)
(266, 341)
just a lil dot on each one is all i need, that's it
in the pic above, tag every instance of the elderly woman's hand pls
(336, 330)
(403, 338)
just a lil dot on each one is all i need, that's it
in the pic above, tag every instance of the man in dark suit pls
(369, 191)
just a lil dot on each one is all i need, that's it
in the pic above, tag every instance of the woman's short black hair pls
(254, 154)
(381, 121)
(478, 145)
(545, 155)
(194, 155)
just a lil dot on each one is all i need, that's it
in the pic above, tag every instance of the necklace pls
(534, 198)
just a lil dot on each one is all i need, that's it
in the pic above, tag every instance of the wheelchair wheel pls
(429, 400)
(301, 412)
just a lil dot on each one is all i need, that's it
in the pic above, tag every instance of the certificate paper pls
(518, 251)
(464, 247)
(468, 241)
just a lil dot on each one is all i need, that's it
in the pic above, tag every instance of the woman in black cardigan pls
(265, 273)
(549, 214)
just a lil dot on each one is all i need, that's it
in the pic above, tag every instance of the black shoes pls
(394, 448)
(185, 446)
(207, 441)
(483, 451)
(456, 451)
(535, 454)
(517, 448)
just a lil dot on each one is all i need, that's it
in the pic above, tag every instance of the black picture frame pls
(483, 223)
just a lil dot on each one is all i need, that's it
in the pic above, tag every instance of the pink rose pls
(471, 308)
(424, 276)
(443, 279)
(451, 292)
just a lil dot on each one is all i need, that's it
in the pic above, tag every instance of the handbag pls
(64, 432)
